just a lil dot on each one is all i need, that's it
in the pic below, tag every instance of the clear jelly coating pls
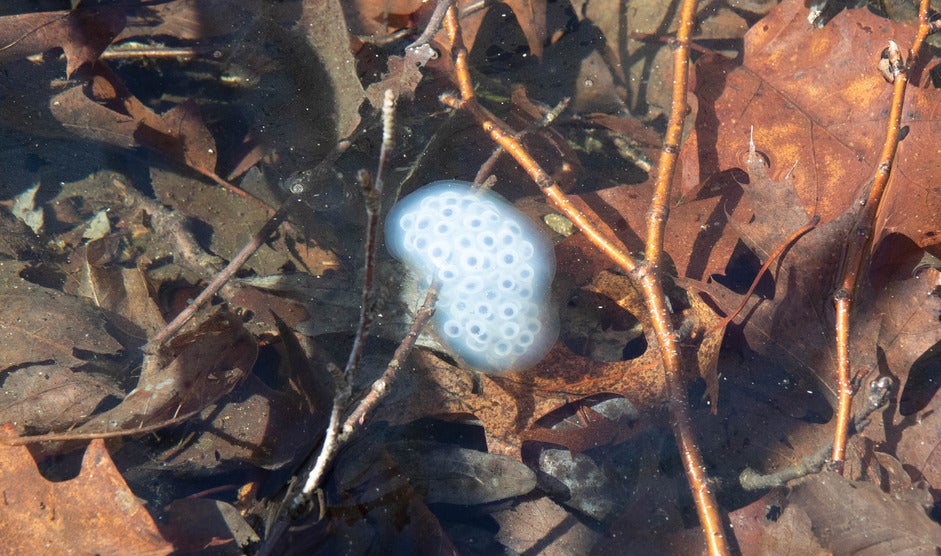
(495, 267)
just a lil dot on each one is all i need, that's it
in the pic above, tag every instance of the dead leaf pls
(909, 302)
(827, 120)
(255, 424)
(16, 238)
(107, 112)
(189, 19)
(83, 34)
(94, 513)
(543, 526)
(858, 518)
(531, 16)
(586, 484)
(323, 26)
(895, 311)
(919, 445)
(84, 117)
(51, 398)
(380, 509)
(194, 370)
(378, 18)
(39, 325)
(697, 239)
(403, 77)
(179, 135)
(770, 525)
(452, 475)
(195, 524)
(122, 291)
(636, 51)
(234, 222)
(594, 431)
(509, 404)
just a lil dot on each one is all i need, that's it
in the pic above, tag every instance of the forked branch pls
(645, 273)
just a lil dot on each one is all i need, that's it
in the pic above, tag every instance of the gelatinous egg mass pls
(495, 268)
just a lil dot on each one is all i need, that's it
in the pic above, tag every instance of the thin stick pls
(191, 254)
(330, 445)
(860, 239)
(380, 387)
(597, 231)
(372, 191)
(752, 480)
(434, 25)
(660, 203)
(648, 275)
(545, 121)
(357, 417)
(223, 276)
(172, 225)
(333, 439)
(461, 71)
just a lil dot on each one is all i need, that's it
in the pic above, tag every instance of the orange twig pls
(649, 279)
(660, 203)
(860, 238)
(596, 230)
(644, 273)
(459, 52)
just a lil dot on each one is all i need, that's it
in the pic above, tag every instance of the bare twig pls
(330, 446)
(372, 191)
(648, 276)
(799, 233)
(877, 397)
(171, 225)
(670, 150)
(339, 431)
(545, 121)
(378, 390)
(380, 387)
(597, 231)
(223, 276)
(434, 25)
(194, 258)
(860, 239)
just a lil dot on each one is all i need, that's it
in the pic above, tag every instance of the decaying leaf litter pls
(138, 123)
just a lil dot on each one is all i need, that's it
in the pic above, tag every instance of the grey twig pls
(434, 25)
(222, 277)
(333, 438)
(372, 191)
(877, 397)
(338, 436)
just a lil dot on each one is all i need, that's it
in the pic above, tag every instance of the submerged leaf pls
(195, 369)
(50, 397)
(453, 475)
(39, 324)
(94, 513)
(858, 518)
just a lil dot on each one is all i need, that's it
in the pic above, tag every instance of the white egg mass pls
(495, 268)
